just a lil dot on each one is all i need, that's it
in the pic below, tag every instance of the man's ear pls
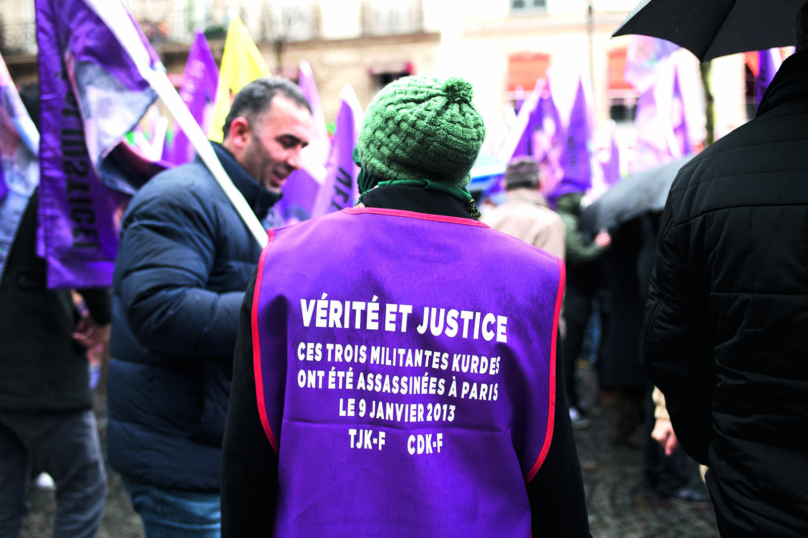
(240, 132)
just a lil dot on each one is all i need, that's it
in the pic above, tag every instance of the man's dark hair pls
(801, 29)
(29, 95)
(256, 97)
(522, 172)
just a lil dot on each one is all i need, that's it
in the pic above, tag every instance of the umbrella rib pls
(715, 34)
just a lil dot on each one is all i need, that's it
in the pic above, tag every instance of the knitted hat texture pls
(421, 128)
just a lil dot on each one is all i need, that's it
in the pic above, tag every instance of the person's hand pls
(89, 334)
(664, 435)
(603, 239)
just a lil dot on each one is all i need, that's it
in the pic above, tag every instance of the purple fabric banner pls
(3, 189)
(679, 118)
(541, 138)
(652, 145)
(198, 92)
(519, 98)
(308, 86)
(534, 122)
(300, 192)
(19, 170)
(92, 95)
(769, 62)
(340, 188)
(661, 124)
(421, 407)
(576, 156)
(611, 168)
(299, 197)
(548, 143)
(644, 57)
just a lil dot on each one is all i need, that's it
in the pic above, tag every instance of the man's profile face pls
(276, 139)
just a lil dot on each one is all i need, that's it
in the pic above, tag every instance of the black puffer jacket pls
(727, 315)
(184, 262)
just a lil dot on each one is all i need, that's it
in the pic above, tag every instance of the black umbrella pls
(637, 194)
(713, 28)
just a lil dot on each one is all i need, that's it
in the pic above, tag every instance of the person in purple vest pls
(396, 371)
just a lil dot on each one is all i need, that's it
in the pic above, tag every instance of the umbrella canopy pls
(713, 28)
(639, 193)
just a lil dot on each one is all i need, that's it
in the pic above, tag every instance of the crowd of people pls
(407, 367)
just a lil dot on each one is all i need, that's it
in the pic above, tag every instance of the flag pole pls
(159, 82)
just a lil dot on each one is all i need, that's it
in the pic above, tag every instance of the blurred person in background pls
(525, 213)
(583, 281)
(46, 417)
(625, 272)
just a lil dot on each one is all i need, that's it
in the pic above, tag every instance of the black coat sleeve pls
(249, 464)
(556, 493)
(99, 303)
(678, 349)
(168, 250)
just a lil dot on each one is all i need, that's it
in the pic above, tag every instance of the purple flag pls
(679, 118)
(768, 65)
(299, 196)
(3, 187)
(548, 142)
(652, 147)
(92, 95)
(517, 140)
(519, 98)
(540, 133)
(644, 57)
(611, 167)
(534, 123)
(198, 92)
(300, 193)
(319, 131)
(576, 156)
(19, 172)
(660, 123)
(340, 188)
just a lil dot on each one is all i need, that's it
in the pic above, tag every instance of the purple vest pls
(405, 373)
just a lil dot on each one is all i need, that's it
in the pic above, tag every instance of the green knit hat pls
(421, 129)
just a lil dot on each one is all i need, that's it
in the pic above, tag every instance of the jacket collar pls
(790, 84)
(529, 196)
(258, 197)
(416, 199)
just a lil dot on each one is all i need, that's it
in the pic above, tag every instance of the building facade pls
(501, 46)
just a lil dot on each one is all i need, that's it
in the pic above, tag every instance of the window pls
(524, 70)
(383, 74)
(527, 5)
(392, 17)
(383, 79)
(623, 109)
(622, 95)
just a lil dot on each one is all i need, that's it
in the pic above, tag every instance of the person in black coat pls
(622, 369)
(46, 417)
(728, 311)
(184, 261)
